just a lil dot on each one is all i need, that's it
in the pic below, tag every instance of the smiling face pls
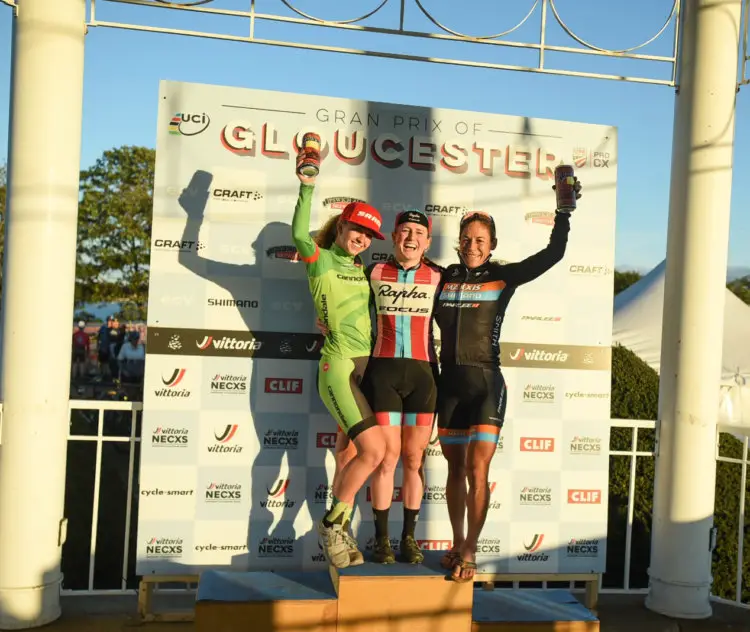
(475, 244)
(352, 238)
(410, 241)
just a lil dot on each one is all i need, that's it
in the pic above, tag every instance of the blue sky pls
(123, 70)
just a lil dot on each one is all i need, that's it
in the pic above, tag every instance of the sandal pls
(463, 565)
(450, 559)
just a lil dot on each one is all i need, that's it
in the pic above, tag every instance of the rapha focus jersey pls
(404, 301)
(339, 287)
(472, 303)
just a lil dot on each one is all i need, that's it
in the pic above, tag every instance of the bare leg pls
(414, 442)
(370, 453)
(382, 479)
(455, 493)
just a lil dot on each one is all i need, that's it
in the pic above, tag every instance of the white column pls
(699, 208)
(38, 290)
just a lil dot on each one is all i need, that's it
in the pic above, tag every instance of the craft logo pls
(284, 386)
(583, 547)
(188, 124)
(580, 157)
(586, 446)
(232, 302)
(277, 496)
(236, 195)
(398, 495)
(537, 444)
(276, 547)
(157, 492)
(287, 253)
(589, 270)
(535, 496)
(281, 440)
(171, 385)
(445, 210)
(434, 495)
(581, 395)
(533, 554)
(488, 546)
(178, 245)
(228, 343)
(161, 548)
(323, 494)
(325, 440)
(584, 497)
(524, 354)
(541, 319)
(225, 440)
(540, 217)
(339, 203)
(382, 256)
(169, 438)
(539, 394)
(223, 493)
(228, 384)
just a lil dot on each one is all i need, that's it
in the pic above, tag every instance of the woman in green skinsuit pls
(341, 293)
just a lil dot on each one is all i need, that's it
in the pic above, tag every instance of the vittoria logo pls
(164, 437)
(533, 550)
(281, 439)
(225, 440)
(227, 343)
(586, 446)
(277, 495)
(276, 547)
(323, 494)
(488, 546)
(223, 493)
(536, 496)
(228, 384)
(161, 548)
(171, 385)
(583, 547)
(539, 394)
(434, 494)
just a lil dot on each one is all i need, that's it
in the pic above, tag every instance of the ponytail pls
(326, 236)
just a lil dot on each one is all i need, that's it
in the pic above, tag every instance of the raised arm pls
(307, 248)
(537, 264)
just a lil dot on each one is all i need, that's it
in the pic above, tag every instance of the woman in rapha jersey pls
(341, 294)
(472, 393)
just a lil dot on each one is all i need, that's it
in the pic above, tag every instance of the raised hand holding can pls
(566, 188)
(308, 161)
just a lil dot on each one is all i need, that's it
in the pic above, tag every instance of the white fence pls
(113, 429)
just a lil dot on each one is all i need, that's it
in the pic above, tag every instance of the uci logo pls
(188, 124)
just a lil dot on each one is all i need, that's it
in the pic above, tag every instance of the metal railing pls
(91, 417)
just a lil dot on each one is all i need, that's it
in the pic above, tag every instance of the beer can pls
(308, 164)
(565, 188)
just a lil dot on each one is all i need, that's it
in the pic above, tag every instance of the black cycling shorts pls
(471, 405)
(401, 391)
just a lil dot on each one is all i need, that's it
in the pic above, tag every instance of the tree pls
(741, 288)
(114, 227)
(624, 280)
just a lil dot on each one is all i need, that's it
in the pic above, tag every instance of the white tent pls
(637, 326)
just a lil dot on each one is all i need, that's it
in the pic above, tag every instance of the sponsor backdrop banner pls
(236, 461)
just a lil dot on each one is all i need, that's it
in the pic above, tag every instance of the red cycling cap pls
(363, 215)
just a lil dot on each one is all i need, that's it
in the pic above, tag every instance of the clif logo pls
(584, 497)
(284, 386)
(537, 444)
(325, 440)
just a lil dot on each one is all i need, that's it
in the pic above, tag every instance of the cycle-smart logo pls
(188, 123)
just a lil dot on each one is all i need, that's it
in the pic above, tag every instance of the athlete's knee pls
(412, 458)
(389, 462)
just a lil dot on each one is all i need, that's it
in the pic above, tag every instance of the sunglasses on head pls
(472, 215)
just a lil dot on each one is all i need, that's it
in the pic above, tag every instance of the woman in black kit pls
(472, 393)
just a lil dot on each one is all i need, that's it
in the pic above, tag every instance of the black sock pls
(381, 522)
(410, 521)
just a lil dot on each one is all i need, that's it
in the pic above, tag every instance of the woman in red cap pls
(341, 293)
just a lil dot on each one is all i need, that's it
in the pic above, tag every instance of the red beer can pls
(565, 188)
(308, 164)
